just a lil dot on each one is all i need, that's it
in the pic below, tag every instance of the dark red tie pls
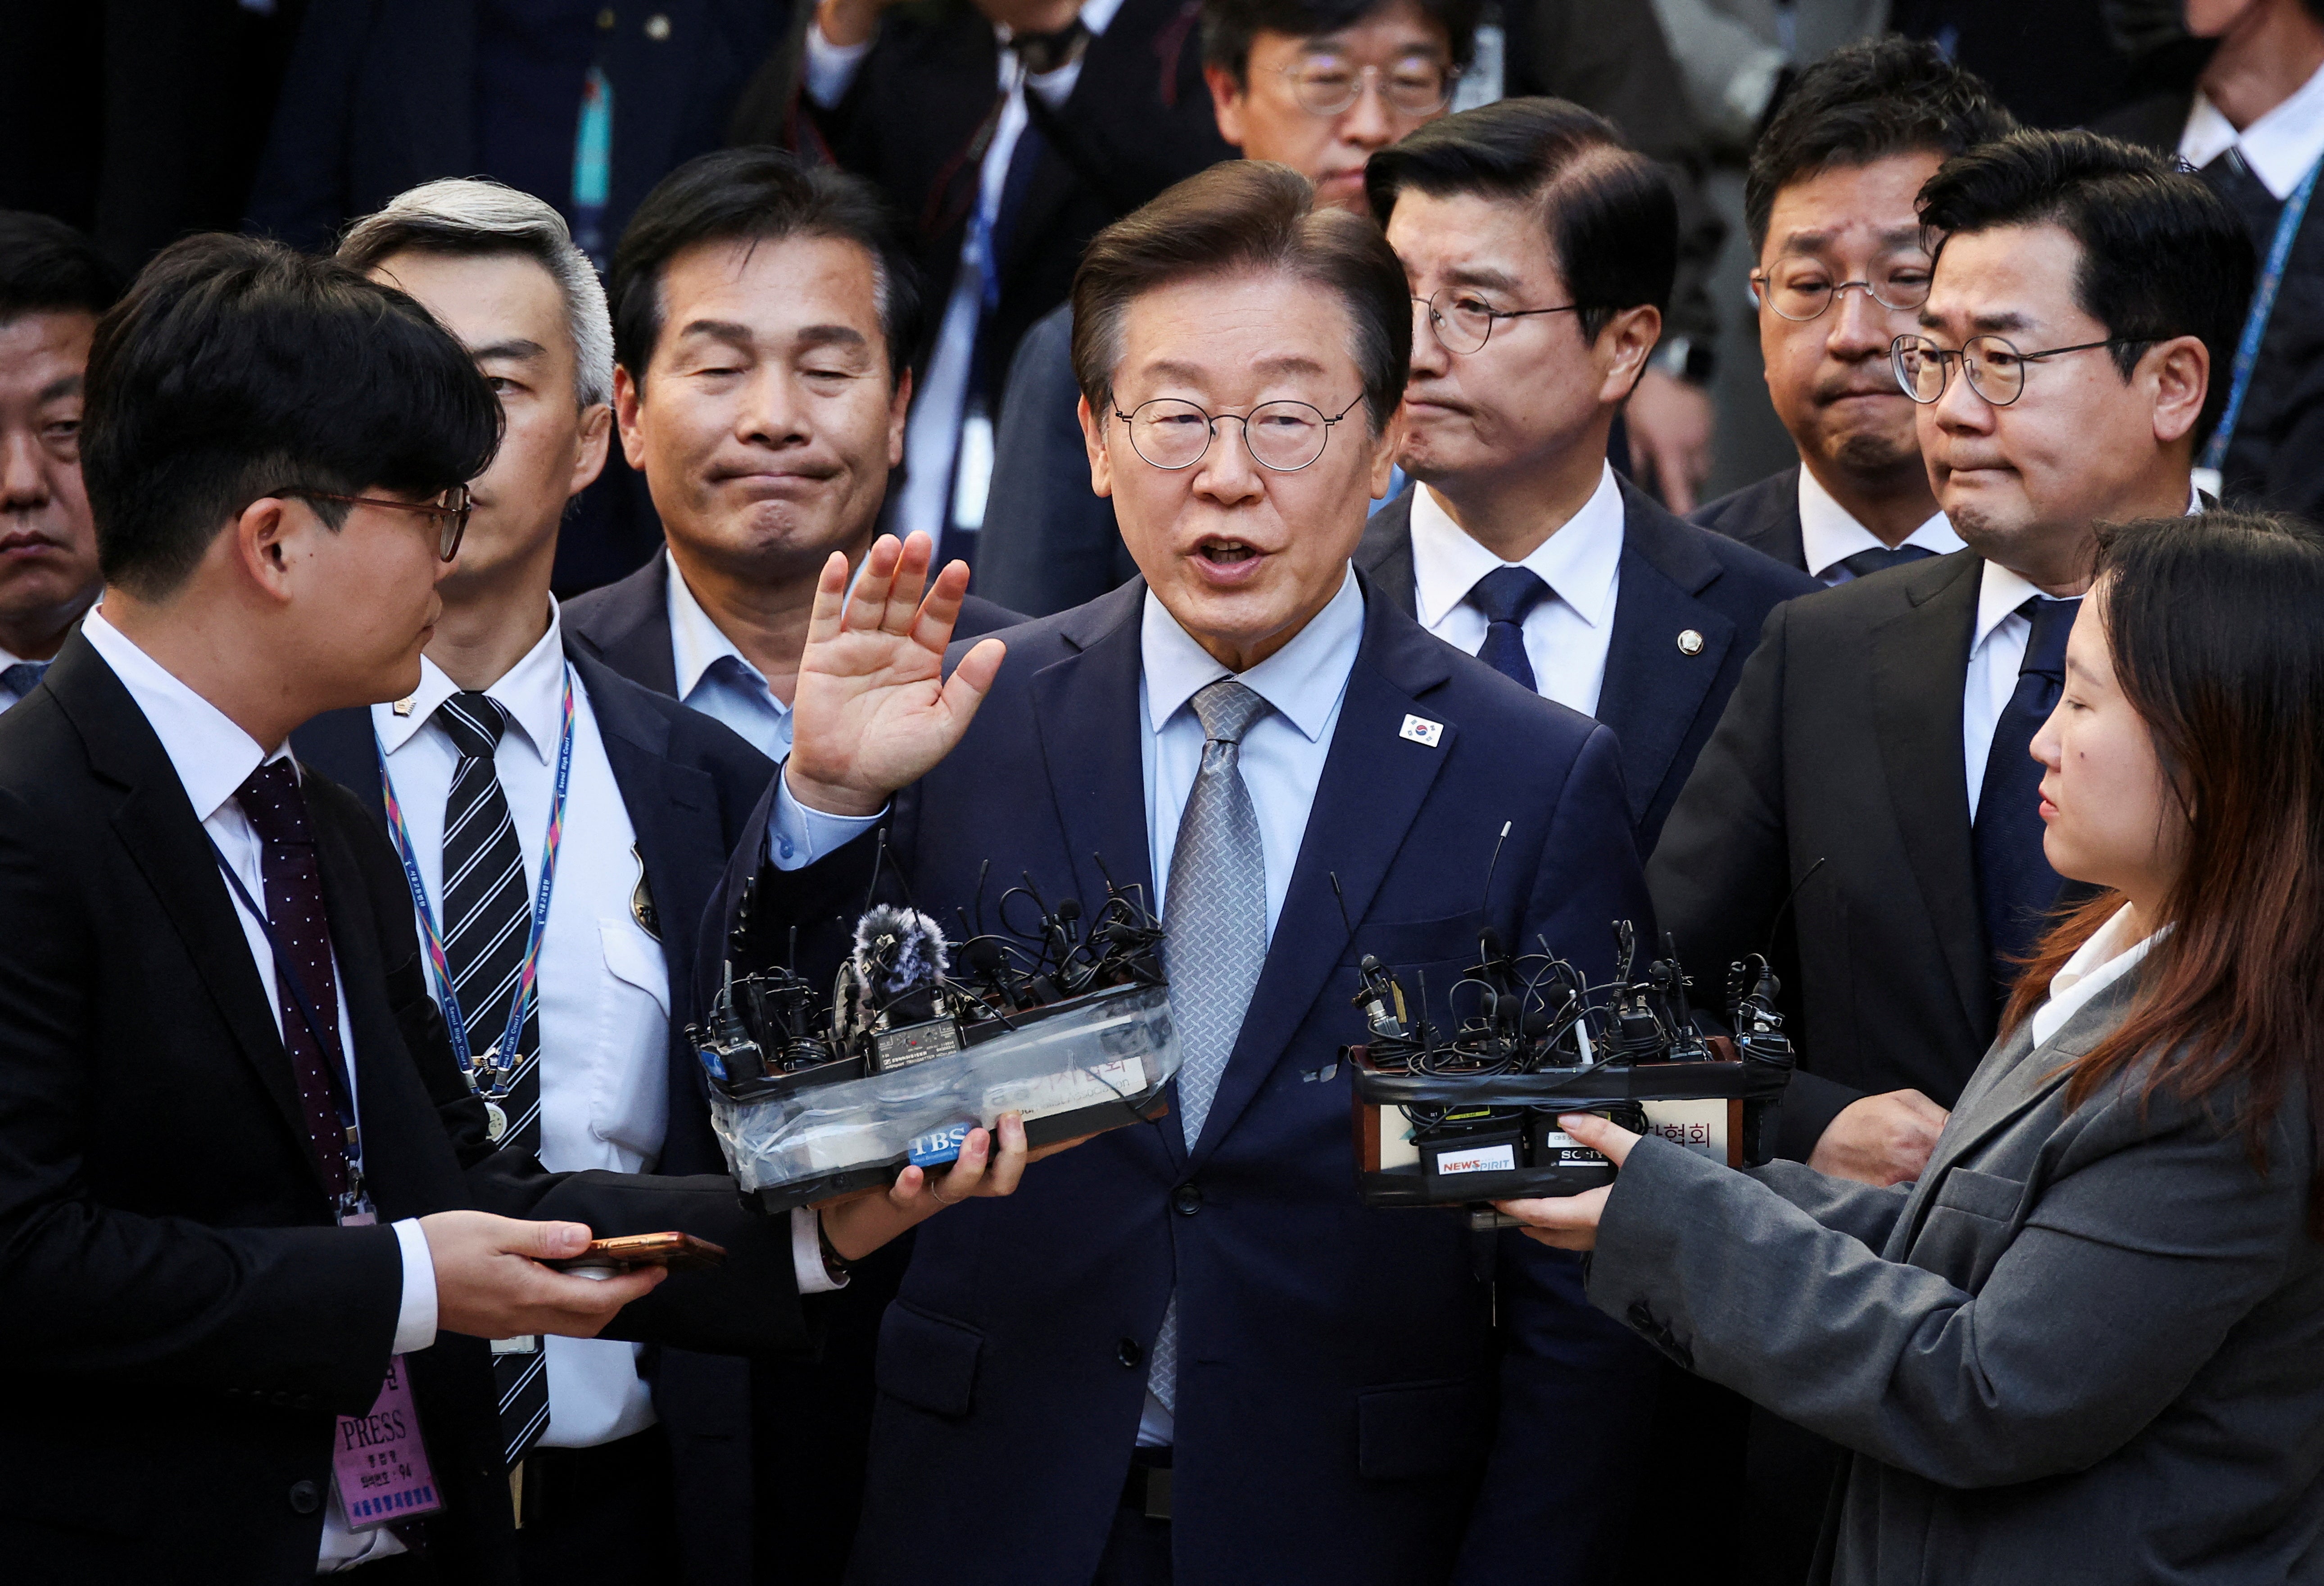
(277, 811)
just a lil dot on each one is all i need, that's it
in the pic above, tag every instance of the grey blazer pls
(2082, 1348)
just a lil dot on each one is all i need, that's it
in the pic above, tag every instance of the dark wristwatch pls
(836, 1266)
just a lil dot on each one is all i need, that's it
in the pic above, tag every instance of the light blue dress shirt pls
(713, 678)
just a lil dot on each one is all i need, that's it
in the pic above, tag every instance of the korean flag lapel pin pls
(1421, 731)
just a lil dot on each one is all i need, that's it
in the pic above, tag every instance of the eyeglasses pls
(1800, 289)
(1995, 367)
(1466, 323)
(451, 510)
(1282, 436)
(1325, 85)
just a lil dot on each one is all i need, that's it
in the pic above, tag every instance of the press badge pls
(378, 1460)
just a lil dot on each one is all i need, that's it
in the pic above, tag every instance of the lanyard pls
(500, 1059)
(2263, 304)
(341, 1083)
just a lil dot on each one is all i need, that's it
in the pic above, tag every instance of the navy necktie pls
(276, 807)
(1504, 596)
(2017, 888)
(1879, 558)
(19, 680)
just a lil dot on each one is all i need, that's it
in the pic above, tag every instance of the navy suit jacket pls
(1765, 516)
(1661, 702)
(626, 625)
(1348, 1409)
(689, 784)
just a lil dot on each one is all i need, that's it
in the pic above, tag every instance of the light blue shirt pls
(713, 678)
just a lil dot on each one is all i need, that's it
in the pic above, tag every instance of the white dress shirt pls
(1281, 760)
(713, 676)
(603, 982)
(941, 429)
(1566, 636)
(1830, 534)
(2107, 957)
(213, 757)
(2280, 147)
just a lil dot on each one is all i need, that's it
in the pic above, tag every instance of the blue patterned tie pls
(1215, 915)
(1504, 596)
(2015, 886)
(19, 680)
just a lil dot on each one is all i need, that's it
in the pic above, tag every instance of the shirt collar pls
(532, 693)
(2002, 591)
(2280, 146)
(1096, 16)
(1579, 563)
(1830, 534)
(698, 644)
(1303, 681)
(213, 756)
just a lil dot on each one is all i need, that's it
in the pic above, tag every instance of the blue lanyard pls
(341, 1083)
(501, 1055)
(2262, 305)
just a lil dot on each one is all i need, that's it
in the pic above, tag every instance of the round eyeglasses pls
(1281, 436)
(1326, 85)
(1464, 322)
(1995, 367)
(450, 510)
(1800, 289)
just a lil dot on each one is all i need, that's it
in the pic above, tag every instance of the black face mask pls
(2138, 27)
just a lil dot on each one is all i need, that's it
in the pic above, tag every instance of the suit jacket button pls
(1186, 1200)
(1128, 1352)
(306, 1498)
(1690, 643)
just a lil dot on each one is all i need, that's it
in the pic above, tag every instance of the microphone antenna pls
(1342, 897)
(983, 870)
(1485, 901)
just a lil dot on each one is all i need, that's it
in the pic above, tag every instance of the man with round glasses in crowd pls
(1187, 1352)
(1843, 268)
(1540, 253)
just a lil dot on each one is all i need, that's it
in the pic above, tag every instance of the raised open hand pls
(873, 710)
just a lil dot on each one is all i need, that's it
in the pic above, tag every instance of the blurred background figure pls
(54, 285)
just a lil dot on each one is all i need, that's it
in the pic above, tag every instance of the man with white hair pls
(511, 738)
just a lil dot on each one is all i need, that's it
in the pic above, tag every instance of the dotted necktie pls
(20, 679)
(1504, 596)
(487, 916)
(1878, 558)
(1215, 917)
(277, 810)
(2015, 886)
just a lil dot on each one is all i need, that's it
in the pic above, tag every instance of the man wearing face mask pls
(2254, 129)
(1842, 268)
(1317, 84)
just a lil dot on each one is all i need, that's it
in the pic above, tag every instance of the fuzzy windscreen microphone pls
(898, 952)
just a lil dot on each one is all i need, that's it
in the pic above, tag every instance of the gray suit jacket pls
(2084, 1347)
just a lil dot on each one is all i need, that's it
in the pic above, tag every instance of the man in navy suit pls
(1540, 253)
(1842, 268)
(1187, 1352)
(764, 317)
(645, 1466)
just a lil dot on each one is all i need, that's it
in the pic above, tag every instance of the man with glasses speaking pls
(1185, 1351)
(2068, 361)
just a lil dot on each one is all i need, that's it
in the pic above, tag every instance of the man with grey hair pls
(619, 1476)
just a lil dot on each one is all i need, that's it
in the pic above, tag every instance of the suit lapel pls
(1088, 719)
(1373, 785)
(629, 628)
(1919, 662)
(1653, 688)
(1384, 556)
(156, 824)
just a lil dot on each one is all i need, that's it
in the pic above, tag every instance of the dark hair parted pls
(1230, 26)
(2161, 255)
(235, 367)
(2211, 622)
(1611, 216)
(757, 195)
(1865, 102)
(47, 266)
(1245, 216)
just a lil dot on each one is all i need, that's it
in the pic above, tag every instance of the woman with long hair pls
(2088, 1345)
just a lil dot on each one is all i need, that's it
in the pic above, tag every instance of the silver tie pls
(1216, 915)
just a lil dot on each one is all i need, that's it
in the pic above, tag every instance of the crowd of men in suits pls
(312, 794)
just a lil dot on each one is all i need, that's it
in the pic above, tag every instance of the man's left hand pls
(1671, 423)
(1570, 1222)
(859, 1224)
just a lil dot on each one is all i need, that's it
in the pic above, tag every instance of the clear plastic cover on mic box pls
(1093, 1061)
